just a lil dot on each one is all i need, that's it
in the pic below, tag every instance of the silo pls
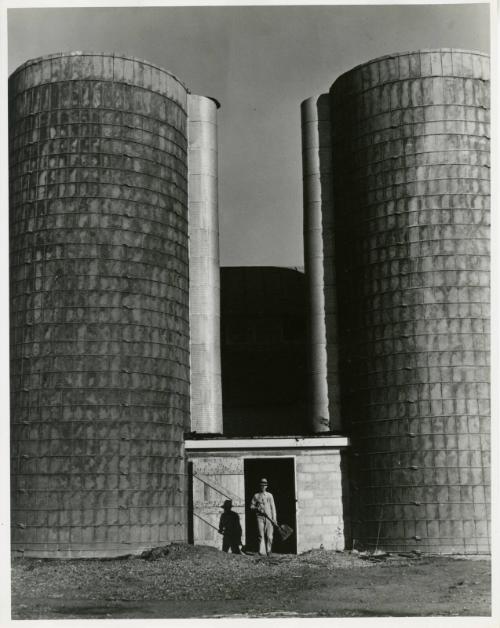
(100, 312)
(320, 272)
(204, 271)
(411, 187)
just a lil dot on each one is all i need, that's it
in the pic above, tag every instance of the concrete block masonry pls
(319, 506)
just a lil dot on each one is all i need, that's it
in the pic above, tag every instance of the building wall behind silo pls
(204, 271)
(100, 313)
(320, 271)
(263, 348)
(411, 180)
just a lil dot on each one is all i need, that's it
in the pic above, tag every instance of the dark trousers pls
(231, 542)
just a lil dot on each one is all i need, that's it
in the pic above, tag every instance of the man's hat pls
(263, 481)
(227, 504)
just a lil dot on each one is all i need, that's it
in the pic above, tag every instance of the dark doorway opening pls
(280, 474)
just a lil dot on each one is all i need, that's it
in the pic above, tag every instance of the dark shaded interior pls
(279, 472)
(263, 347)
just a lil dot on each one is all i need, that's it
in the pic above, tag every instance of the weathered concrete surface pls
(320, 272)
(100, 313)
(204, 271)
(411, 181)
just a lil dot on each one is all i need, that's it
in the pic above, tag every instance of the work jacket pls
(263, 501)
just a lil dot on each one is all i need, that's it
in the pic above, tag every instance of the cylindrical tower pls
(204, 271)
(323, 390)
(100, 312)
(411, 188)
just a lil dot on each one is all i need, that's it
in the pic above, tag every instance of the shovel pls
(282, 530)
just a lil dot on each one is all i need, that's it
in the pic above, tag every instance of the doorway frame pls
(261, 455)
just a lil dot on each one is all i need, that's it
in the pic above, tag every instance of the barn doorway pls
(280, 474)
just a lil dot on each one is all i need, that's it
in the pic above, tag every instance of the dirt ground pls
(189, 581)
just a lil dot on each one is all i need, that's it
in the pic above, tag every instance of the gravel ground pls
(196, 581)
(172, 576)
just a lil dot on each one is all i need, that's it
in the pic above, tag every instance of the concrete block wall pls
(320, 519)
(318, 486)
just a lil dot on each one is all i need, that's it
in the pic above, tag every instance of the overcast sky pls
(260, 63)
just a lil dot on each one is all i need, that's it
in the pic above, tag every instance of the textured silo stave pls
(204, 271)
(411, 179)
(319, 251)
(99, 305)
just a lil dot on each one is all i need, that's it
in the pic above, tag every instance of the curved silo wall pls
(320, 273)
(411, 179)
(204, 271)
(100, 312)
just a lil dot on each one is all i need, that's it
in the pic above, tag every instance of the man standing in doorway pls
(263, 504)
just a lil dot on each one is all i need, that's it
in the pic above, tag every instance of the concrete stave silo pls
(99, 305)
(411, 202)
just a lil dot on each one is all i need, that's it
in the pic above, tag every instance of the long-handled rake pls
(282, 529)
